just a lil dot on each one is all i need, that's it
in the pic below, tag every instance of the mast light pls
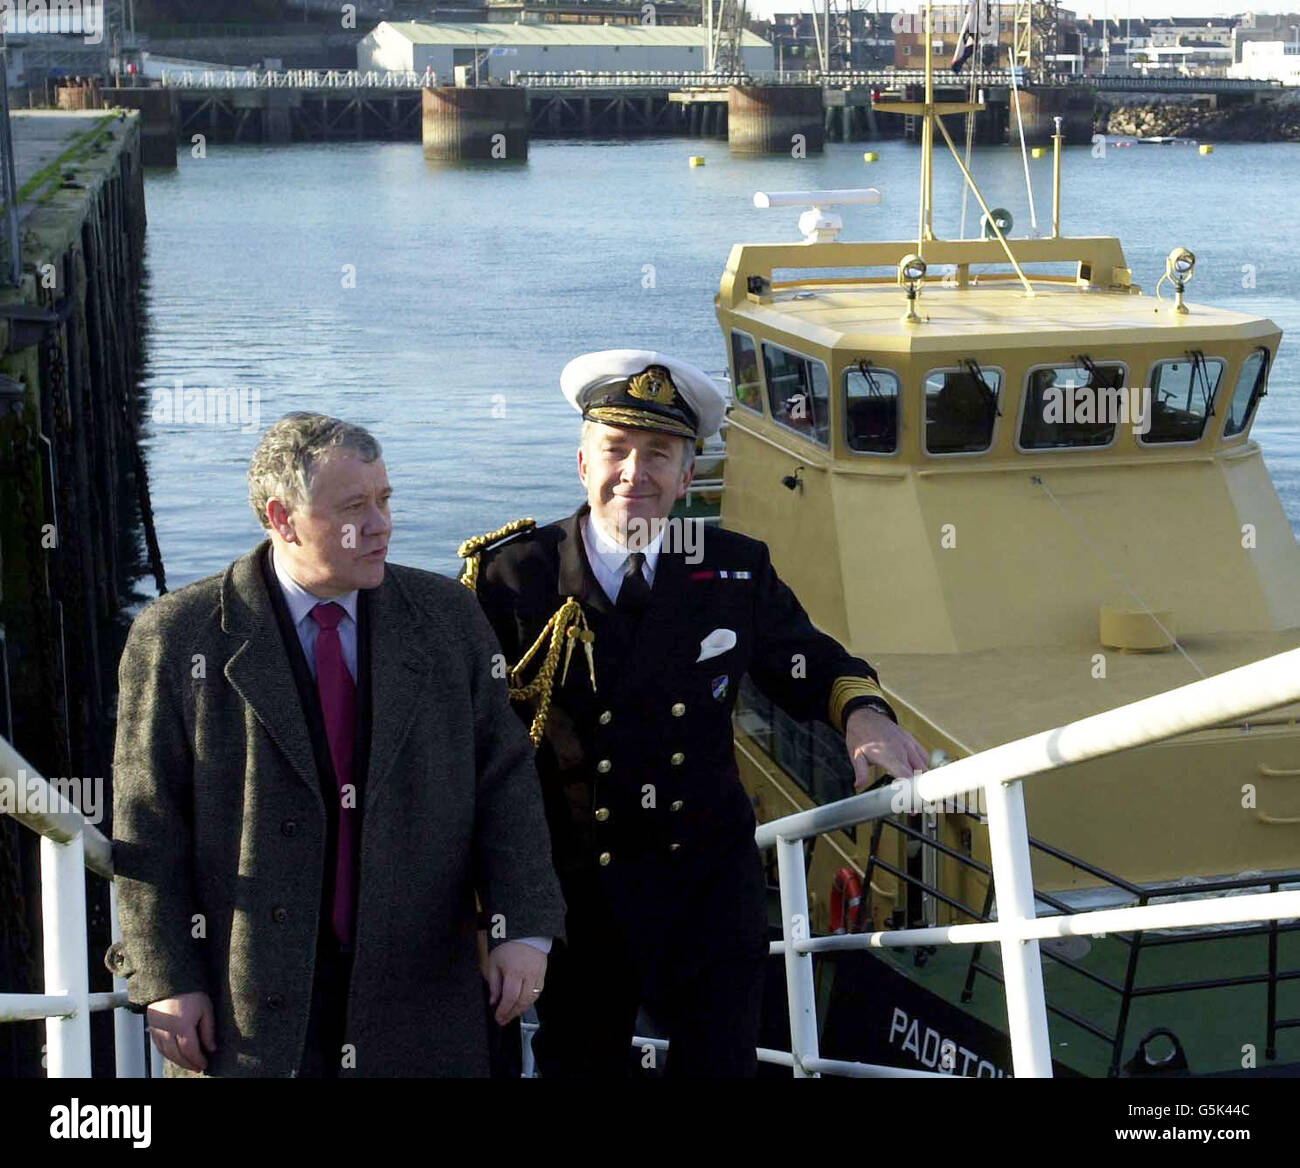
(911, 272)
(1179, 267)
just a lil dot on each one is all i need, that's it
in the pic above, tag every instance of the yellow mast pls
(930, 110)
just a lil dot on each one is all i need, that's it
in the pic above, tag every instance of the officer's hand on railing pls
(182, 1028)
(873, 737)
(515, 975)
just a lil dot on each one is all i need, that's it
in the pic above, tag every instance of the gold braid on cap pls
(566, 627)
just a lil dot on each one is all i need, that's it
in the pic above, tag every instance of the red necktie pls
(338, 704)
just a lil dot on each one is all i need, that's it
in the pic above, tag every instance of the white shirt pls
(608, 557)
(300, 603)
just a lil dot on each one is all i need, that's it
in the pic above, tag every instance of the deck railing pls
(1000, 774)
(70, 844)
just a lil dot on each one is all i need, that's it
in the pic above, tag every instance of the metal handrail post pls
(67, 956)
(128, 1028)
(1022, 962)
(801, 994)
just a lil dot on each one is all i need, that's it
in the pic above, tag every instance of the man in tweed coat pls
(316, 771)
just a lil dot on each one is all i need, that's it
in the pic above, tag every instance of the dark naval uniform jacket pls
(639, 777)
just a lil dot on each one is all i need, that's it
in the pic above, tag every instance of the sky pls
(1097, 8)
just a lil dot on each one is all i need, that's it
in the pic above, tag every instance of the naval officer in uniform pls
(626, 642)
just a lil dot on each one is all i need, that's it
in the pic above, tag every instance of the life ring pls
(847, 905)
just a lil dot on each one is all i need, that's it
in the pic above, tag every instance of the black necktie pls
(634, 594)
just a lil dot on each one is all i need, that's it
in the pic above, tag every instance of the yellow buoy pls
(870, 156)
(1206, 148)
(697, 159)
(1037, 152)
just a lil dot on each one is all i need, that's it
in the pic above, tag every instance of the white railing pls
(1000, 774)
(69, 845)
(297, 79)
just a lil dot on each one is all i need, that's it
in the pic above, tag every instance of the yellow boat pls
(1026, 491)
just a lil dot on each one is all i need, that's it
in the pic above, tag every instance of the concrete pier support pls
(276, 124)
(775, 119)
(475, 123)
(159, 121)
(1038, 107)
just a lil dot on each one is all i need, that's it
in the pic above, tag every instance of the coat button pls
(275, 1001)
(289, 827)
(679, 708)
(602, 814)
(606, 718)
(603, 766)
(676, 805)
(605, 858)
(677, 759)
(279, 915)
(118, 960)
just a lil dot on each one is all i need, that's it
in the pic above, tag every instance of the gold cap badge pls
(655, 384)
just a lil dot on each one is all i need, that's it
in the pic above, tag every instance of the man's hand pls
(873, 737)
(179, 1025)
(514, 972)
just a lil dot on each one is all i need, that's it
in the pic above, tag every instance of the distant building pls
(658, 12)
(500, 49)
(859, 39)
(1173, 31)
(1269, 61)
(995, 47)
(1265, 26)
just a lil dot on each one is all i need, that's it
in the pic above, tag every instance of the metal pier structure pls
(247, 105)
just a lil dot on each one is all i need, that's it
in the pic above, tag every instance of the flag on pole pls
(967, 37)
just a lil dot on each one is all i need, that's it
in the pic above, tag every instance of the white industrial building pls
(504, 48)
(1269, 61)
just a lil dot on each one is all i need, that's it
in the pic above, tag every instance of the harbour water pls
(437, 304)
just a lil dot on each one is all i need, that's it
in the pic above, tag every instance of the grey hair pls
(688, 458)
(285, 461)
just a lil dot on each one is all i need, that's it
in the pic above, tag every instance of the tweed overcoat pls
(219, 832)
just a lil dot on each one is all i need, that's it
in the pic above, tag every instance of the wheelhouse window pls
(871, 408)
(1251, 385)
(746, 384)
(961, 408)
(798, 391)
(1182, 398)
(1073, 405)
(811, 752)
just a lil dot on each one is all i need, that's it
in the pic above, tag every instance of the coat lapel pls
(576, 578)
(259, 668)
(399, 674)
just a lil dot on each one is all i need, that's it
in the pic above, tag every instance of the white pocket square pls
(716, 643)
